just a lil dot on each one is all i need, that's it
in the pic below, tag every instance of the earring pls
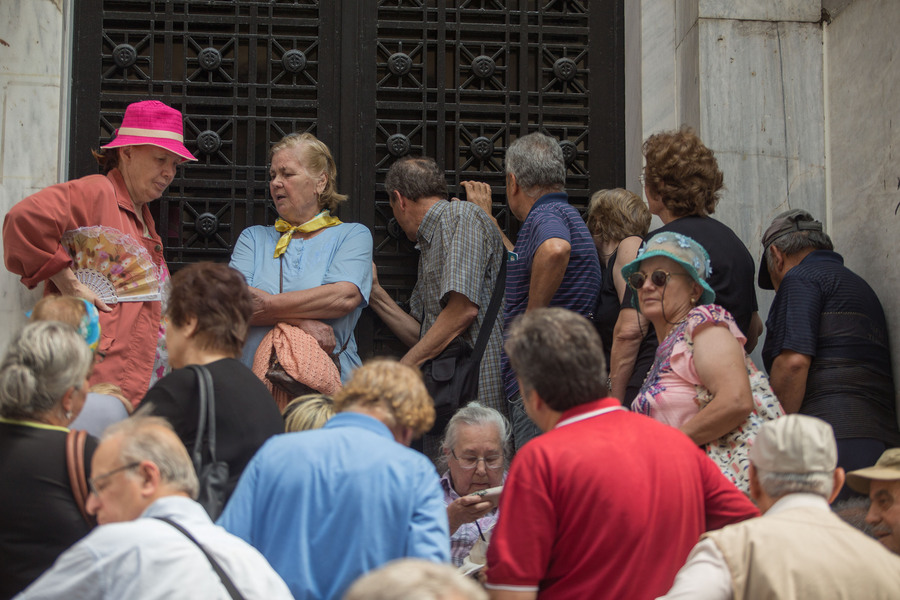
(69, 414)
(693, 301)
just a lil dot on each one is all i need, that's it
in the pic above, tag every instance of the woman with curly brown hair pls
(682, 182)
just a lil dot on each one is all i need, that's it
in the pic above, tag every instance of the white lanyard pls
(588, 415)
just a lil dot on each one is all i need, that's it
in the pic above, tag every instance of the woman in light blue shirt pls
(310, 268)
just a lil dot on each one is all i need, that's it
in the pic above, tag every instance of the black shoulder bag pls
(214, 474)
(226, 580)
(452, 376)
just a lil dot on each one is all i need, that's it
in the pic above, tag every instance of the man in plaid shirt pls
(461, 254)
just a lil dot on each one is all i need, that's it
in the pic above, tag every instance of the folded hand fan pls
(113, 265)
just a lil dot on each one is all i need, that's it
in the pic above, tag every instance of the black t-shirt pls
(607, 310)
(39, 519)
(246, 414)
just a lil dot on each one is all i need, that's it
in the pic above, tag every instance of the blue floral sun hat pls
(686, 251)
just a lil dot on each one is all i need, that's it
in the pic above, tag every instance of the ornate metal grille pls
(457, 80)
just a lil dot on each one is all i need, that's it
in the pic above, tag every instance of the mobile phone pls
(490, 494)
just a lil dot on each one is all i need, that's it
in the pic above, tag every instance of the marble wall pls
(33, 35)
(749, 78)
(863, 91)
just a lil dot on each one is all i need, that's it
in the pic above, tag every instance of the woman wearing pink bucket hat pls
(103, 221)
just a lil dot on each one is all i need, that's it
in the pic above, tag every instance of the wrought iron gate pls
(457, 80)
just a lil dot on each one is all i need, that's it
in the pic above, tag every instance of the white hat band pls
(151, 133)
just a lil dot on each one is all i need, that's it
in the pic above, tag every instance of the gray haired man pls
(554, 261)
(143, 482)
(461, 253)
(798, 548)
(826, 347)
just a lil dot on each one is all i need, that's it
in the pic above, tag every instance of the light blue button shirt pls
(148, 559)
(328, 505)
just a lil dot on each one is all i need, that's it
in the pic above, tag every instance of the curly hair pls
(316, 156)
(218, 297)
(617, 214)
(397, 388)
(416, 178)
(682, 172)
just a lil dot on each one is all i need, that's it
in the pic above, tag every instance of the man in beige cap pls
(882, 484)
(798, 548)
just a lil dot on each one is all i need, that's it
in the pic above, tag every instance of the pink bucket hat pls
(152, 122)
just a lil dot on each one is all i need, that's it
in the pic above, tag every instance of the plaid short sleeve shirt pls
(461, 251)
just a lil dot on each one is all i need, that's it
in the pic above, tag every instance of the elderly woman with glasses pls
(702, 380)
(43, 383)
(475, 452)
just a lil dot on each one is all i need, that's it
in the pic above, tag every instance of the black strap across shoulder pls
(487, 326)
(226, 580)
(206, 422)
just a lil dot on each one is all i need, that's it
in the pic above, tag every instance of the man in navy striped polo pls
(554, 261)
(826, 346)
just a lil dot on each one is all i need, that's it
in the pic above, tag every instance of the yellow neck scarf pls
(322, 220)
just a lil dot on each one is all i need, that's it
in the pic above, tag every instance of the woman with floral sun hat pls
(138, 165)
(702, 380)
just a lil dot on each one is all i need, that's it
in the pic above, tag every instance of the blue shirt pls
(326, 506)
(551, 217)
(339, 253)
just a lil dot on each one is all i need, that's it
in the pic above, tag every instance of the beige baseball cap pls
(886, 469)
(794, 444)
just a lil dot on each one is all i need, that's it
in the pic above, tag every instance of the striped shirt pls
(551, 217)
(824, 310)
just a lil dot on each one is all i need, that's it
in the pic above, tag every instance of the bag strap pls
(487, 326)
(75, 441)
(223, 576)
(207, 418)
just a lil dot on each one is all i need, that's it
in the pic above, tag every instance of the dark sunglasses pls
(658, 278)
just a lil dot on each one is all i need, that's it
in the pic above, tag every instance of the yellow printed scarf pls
(320, 221)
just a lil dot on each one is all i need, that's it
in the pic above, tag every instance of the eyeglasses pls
(495, 461)
(659, 278)
(92, 482)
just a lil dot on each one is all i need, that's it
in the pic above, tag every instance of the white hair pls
(415, 579)
(152, 438)
(474, 415)
(776, 485)
(41, 364)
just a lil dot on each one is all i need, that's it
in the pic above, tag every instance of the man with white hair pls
(415, 579)
(798, 548)
(154, 539)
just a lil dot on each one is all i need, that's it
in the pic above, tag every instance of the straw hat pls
(152, 122)
(886, 469)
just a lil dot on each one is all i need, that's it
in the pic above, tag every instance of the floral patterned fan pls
(113, 265)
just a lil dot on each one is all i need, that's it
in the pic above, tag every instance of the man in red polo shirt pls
(606, 503)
